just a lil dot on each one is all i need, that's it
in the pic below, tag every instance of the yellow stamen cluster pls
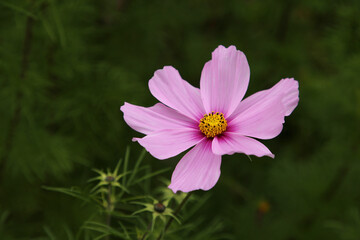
(212, 124)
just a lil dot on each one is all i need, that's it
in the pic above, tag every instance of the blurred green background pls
(67, 66)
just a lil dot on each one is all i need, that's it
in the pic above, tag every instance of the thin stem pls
(109, 208)
(148, 229)
(16, 117)
(176, 213)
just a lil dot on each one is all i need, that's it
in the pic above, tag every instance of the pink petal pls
(230, 143)
(155, 118)
(287, 87)
(170, 142)
(224, 80)
(198, 169)
(264, 119)
(169, 88)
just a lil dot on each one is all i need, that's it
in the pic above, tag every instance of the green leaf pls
(49, 233)
(69, 191)
(69, 234)
(120, 215)
(133, 198)
(18, 9)
(151, 175)
(48, 29)
(58, 23)
(117, 167)
(101, 236)
(136, 167)
(102, 228)
(124, 229)
(126, 161)
(3, 217)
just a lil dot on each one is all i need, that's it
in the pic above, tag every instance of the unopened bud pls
(159, 207)
(109, 179)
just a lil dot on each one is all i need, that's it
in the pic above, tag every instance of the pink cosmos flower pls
(213, 118)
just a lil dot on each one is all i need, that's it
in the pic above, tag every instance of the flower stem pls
(176, 213)
(109, 208)
(16, 117)
(147, 231)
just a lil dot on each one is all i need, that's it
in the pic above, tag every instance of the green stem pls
(176, 213)
(16, 117)
(148, 229)
(109, 208)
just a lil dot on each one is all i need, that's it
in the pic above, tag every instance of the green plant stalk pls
(148, 229)
(109, 207)
(176, 213)
(16, 117)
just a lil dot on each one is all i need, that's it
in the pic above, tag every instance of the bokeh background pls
(67, 66)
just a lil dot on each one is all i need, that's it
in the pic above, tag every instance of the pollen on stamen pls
(213, 124)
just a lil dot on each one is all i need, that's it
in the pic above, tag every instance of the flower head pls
(108, 178)
(215, 118)
(157, 209)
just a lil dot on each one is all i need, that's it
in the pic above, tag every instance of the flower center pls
(213, 124)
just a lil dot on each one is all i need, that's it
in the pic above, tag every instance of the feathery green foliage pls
(67, 66)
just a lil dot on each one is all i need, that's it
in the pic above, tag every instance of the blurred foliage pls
(67, 66)
(115, 215)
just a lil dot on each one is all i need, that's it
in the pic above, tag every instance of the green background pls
(67, 66)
